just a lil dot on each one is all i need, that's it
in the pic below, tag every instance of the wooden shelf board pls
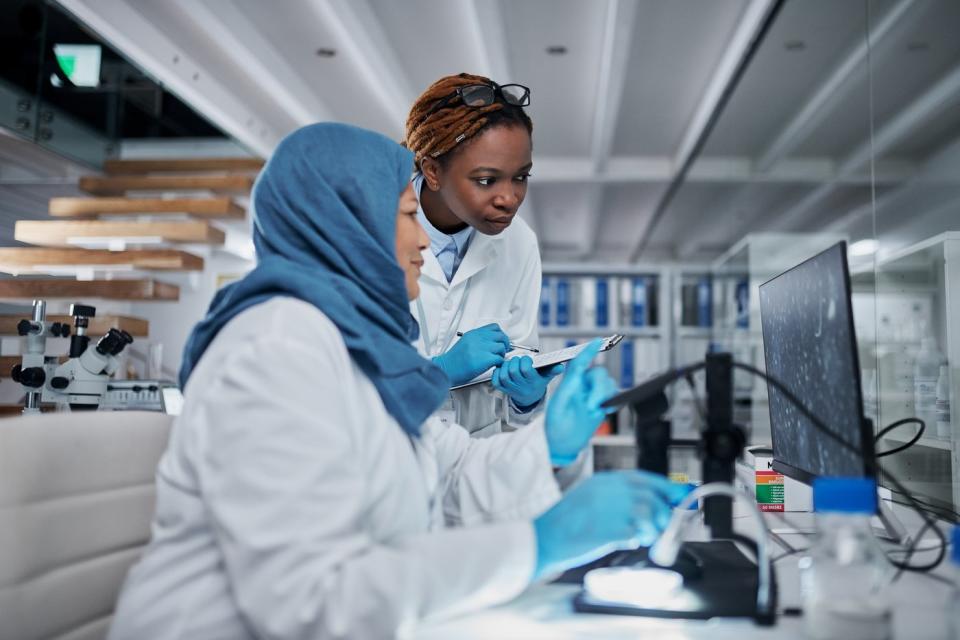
(181, 165)
(65, 233)
(7, 363)
(49, 288)
(116, 185)
(20, 259)
(137, 327)
(217, 207)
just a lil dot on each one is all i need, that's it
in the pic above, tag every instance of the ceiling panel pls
(780, 79)
(338, 82)
(562, 87)
(675, 48)
(418, 29)
(564, 213)
(627, 211)
(921, 48)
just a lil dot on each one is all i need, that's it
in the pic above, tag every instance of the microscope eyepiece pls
(82, 311)
(113, 342)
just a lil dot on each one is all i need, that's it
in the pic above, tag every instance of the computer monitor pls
(810, 346)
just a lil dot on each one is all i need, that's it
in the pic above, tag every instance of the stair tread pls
(172, 165)
(137, 327)
(65, 233)
(50, 288)
(114, 185)
(17, 259)
(216, 207)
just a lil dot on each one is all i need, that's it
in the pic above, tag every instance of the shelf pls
(116, 185)
(694, 332)
(140, 290)
(925, 441)
(603, 270)
(614, 440)
(102, 233)
(185, 165)
(578, 332)
(18, 260)
(7, 363)
(137, 327)
(220, 207)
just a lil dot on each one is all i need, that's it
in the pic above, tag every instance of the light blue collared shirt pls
(448, 248)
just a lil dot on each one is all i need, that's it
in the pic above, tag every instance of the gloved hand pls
(610, 511)
(525, 385)
(574, 412)
(475, 352)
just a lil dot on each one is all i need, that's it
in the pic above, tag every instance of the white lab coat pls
(498, 281)
(291, 505)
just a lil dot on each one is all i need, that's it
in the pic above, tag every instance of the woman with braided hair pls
(480, 286)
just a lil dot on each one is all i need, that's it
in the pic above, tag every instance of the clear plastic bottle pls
(944, 429)
(844, 576)
(871, 408)
(926, 370)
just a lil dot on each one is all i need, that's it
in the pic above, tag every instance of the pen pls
(512, 345)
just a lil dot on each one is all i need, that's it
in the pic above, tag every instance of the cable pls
(872, 466)
(899, 423)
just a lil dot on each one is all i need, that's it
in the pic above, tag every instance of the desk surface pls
(545, 610)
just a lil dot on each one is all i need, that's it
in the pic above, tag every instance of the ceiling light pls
(557, 50)
(866, 247)
(326, 52)
(795, 45)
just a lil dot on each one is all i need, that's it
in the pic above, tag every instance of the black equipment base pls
(719, 581)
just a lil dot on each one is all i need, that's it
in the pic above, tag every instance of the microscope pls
(82, 380)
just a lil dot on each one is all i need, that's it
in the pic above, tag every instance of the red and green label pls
(770, 491)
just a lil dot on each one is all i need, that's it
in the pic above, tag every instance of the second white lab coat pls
(291, 505)
(498, 281)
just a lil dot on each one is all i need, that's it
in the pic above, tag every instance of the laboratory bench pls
(546, 611)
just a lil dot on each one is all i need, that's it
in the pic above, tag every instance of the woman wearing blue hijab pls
(306, 492)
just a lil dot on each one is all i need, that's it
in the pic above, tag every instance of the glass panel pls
(915, 222)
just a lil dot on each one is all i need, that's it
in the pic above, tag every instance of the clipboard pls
(541, 360)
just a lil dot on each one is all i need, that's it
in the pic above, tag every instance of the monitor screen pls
(810, 346)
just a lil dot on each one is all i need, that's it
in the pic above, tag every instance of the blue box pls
(626, 364)
(545, 302)
(705, 302)
(743, 304)
(603, 300)
(563, 302)
(639, 307)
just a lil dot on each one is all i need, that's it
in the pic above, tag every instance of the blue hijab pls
(325, 209)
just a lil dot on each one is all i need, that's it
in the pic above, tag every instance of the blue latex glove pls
(609, 511)
(574, 412)
(475, 352)
(525, 385)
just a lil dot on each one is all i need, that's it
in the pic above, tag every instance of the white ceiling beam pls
(639, 169)
(749, 24)
(232, 32)
(614, 61)
(484, 20)
(931, 102)
(359, 32)
(737, 47)
(120, 24)
(831, 91)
